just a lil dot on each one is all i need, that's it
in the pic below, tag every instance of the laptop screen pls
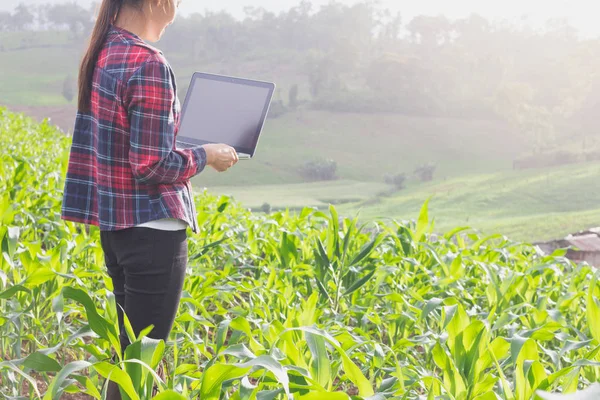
(225, 110)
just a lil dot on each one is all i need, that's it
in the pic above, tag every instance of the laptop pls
(224, 109)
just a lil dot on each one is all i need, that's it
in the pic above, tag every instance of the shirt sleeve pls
(152, 155)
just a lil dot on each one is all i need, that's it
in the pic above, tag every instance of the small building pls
(582, 247)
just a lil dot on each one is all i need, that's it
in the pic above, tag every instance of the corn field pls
(304, 306)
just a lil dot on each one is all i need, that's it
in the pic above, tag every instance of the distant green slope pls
(295, 196)
(367, 146)
(530, 205)
(35, 76)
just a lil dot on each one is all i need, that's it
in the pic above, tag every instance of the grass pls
(14, 40)
(319, 194)
(530, 205)
(34, 77)
(533, 205)
(368, 146)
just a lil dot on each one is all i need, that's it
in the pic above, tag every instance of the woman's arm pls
(149, 99)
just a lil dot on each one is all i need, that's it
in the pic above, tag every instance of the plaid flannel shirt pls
(124, 168)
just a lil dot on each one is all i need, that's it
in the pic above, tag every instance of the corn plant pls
(305, 305)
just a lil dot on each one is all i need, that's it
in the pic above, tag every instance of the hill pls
(367, 146)
(532, 205)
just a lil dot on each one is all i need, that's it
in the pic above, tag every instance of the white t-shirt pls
(165, 224)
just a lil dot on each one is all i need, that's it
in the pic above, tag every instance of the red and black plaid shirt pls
(124, 168)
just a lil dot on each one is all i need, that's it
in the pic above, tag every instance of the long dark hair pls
(109, 9)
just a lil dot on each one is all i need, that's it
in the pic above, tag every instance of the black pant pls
(147, 267)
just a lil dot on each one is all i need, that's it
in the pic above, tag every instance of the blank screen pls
(224, 112)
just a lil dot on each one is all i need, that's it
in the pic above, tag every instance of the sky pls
(579, 12)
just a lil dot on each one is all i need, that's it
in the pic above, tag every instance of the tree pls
(390, 30)
(266, 208)
(71, 16)
(586, 120)
(430, 31)
(425, 172)
(319, 72)
(472, 30)
(397, 180)
(5, 21)
(515, 103)
(293, 97)
(22, 17)
(319, 170)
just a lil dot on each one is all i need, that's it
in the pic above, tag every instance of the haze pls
(534, 12)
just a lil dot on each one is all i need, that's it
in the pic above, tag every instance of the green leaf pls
(496, 350)
(59, 379)
(422, 222)
(58, 306)
(242, 324)
(352, 371)
(460, 320)
(359, 283)
(247, 389)
(453, 381)
(222, 333)
(98, 324)
(323, 259)
(13, 240)
(117, 375)
(215, 375)
(39, 276)
(324, 396)
(203, 250)
(366, 250)
(523, 349)
(272, 365)
(536, 375)
(593, 310)
(11, 291)
(169, 395)
(268, 394)
(431, 305)
(347, 238)
(223, 205)
(41, 363)
(89, 386)
(320, 366)
(487, 396)
(355, 374)
(322, 289)
(134, 370)
(128, 328)
(335, 222)
(238, 350)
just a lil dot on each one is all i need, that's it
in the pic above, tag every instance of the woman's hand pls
(220, 156)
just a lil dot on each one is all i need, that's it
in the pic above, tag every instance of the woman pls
(125, 174)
